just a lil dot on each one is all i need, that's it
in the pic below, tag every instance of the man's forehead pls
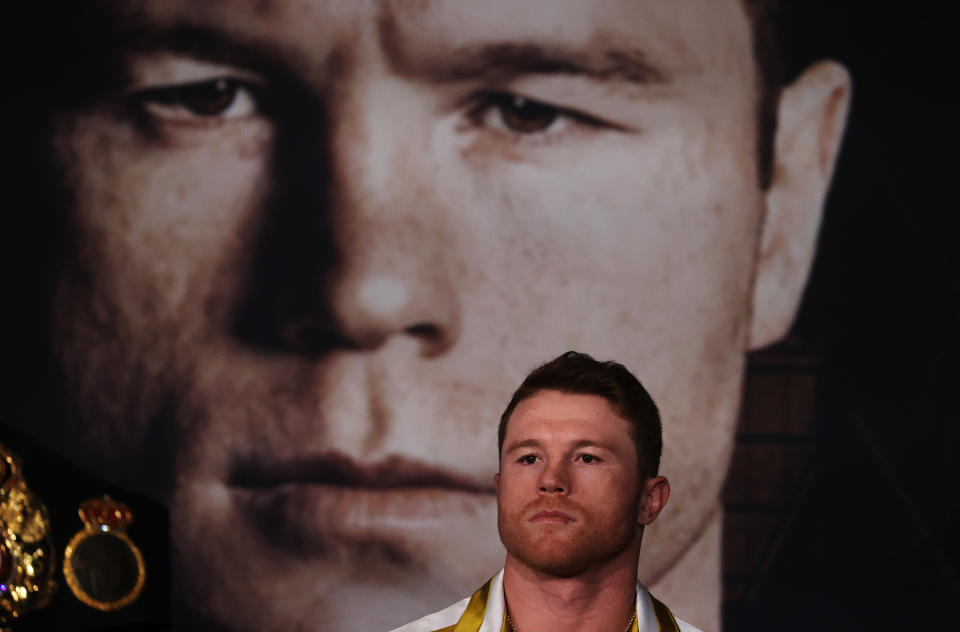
(678, 37)
(563, 412)
(571, 420)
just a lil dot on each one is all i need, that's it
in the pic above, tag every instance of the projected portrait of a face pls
(309, 248)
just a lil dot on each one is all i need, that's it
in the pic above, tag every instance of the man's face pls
(568, 488)
(314, 245)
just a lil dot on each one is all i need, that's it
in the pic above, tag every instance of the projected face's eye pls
(522, 115)
(218, 98)
(517, 115)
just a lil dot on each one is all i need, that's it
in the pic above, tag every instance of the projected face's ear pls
(812, 115)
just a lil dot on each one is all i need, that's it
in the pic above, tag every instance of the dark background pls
(842, 503)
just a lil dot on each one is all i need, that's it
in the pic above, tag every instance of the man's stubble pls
(567, 550)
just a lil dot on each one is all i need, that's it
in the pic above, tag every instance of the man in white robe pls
(580, 445)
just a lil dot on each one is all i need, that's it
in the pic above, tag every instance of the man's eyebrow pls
(582, 443)
(526, 443)
(503, 61)
(589, 443)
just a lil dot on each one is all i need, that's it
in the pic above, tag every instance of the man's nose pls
(390, 273)
(554, 479)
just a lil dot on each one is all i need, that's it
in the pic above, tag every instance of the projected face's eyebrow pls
(507, 60)
(210, 44)
(101, 67)
(491, 61)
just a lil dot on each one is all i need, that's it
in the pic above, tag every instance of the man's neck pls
(601, 600)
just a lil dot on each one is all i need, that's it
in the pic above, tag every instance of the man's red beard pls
(566, 549)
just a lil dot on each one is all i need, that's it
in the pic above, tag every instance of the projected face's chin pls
(299, 292)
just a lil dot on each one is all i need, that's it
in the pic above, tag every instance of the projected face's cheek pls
(166, 177)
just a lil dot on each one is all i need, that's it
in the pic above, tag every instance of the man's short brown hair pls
(578, 373)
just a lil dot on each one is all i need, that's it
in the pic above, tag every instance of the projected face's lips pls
(312, 503)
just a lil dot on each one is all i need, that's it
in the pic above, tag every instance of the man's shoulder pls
(439, 621)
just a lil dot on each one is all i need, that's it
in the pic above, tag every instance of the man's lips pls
(312, 504)
(552, 515)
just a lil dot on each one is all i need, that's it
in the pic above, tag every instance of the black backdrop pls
(870, 538)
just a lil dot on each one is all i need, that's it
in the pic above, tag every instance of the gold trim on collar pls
(472, 617)
(665, 620)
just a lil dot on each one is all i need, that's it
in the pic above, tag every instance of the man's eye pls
(588, 458)
(528, 459)
(517, 114)
(221, 98)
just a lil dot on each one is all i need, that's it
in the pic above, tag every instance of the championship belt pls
(102, 566)
(27, 554)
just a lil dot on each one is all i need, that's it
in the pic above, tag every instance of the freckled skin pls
(602, 496)
(572, 508)
(633, 240)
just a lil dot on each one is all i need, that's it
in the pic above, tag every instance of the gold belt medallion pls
(103, 567)
(27, 555)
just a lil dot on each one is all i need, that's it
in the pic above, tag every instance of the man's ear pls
(653, 498)
(811, 119)
(496, 482)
